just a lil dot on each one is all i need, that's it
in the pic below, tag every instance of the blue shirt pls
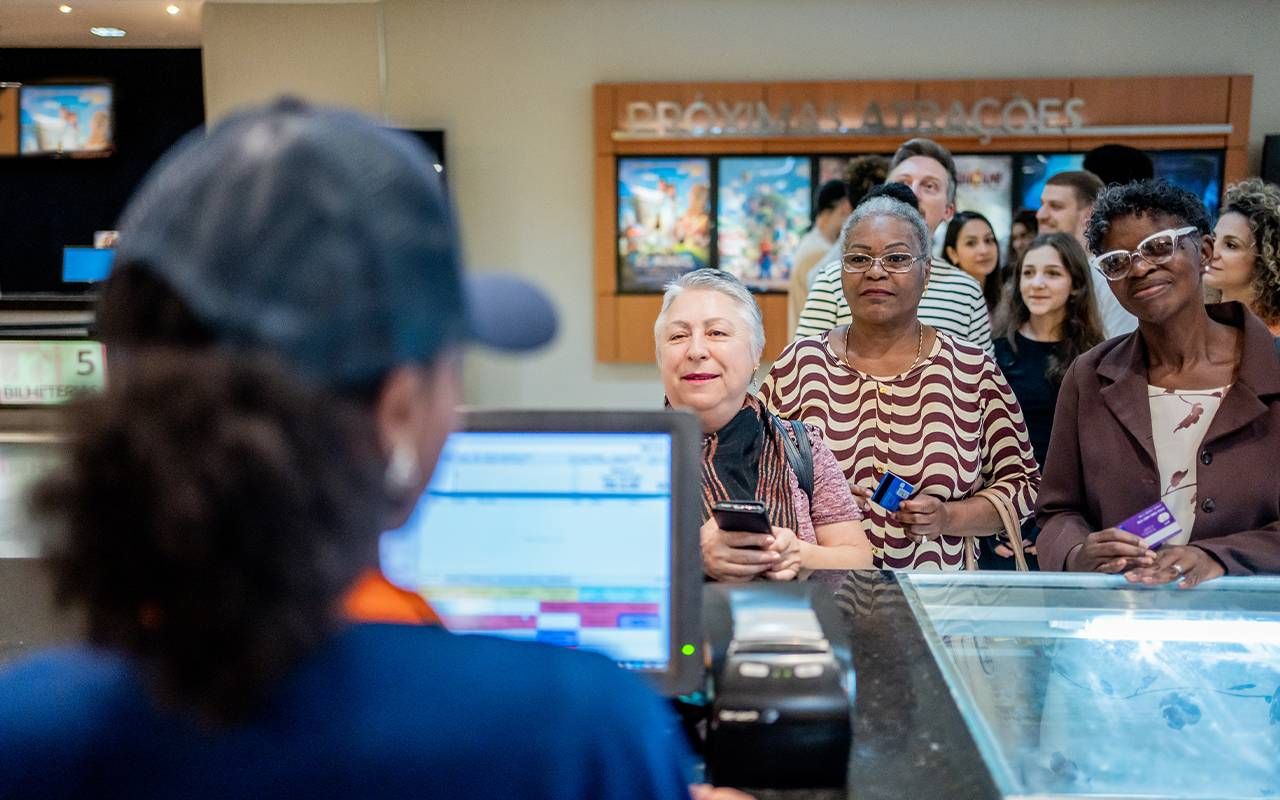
(380, 711)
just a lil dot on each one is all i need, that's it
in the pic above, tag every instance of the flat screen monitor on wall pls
(75, 120)
(1197, 171)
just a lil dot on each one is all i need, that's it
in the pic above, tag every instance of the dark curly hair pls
(1144, 199)
(862, 174)
(211, 513)
(1259, 203)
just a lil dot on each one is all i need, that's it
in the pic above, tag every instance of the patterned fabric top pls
(1179, 420)
(952, 302)
(832, 500)
(950, 426)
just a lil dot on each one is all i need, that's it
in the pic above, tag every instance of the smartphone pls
(891, 491)
(742, 515)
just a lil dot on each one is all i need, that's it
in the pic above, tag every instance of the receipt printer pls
(781, 684)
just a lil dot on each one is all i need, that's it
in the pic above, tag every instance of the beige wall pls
(511, 84)
(327, 53)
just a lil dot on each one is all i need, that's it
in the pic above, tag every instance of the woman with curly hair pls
(1246, 250)
(1185, 411)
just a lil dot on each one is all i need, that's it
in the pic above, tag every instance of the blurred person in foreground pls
(709, 337)
(1185, 410)
(284, 322)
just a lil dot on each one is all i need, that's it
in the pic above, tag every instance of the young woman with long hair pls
(1049, 320)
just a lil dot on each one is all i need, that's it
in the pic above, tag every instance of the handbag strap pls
(799, 454)
(1012, 532)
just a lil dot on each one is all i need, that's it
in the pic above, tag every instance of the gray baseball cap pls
(325, 238)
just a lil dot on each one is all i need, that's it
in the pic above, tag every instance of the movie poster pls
(664, 220)
(763, 212)
(66, 120)
(985, 184)
(1036, 169)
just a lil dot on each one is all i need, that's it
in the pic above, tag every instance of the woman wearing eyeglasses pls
(1246, 250)
(894, 396)
(1185, 410)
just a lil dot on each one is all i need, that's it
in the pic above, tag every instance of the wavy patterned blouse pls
(950, 426)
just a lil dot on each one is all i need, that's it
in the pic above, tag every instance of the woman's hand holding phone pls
(736, 556)
(787, 545)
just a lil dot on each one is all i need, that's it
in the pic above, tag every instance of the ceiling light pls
(107, 33)
(172, 10)
(65, 9)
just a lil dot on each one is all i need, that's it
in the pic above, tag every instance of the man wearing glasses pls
(1066, 203)
(952, 301)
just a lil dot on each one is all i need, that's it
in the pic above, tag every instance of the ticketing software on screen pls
(554, 537)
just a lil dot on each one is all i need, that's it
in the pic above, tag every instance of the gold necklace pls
(919, 347)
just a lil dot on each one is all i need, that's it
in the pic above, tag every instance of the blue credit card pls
(891, 491)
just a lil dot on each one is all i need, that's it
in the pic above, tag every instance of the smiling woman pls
(709, 337)
(1182, 411)
(895, 396)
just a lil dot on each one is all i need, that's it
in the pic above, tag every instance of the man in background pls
(831, 206)
(952, 301)
(1065, 205)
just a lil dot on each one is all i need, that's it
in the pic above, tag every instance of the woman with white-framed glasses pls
(1184, 411)
(896, 398)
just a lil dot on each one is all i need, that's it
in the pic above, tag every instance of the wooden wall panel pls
(774, 309)
(968, 92)
(635, 316)
(624, 323)
(1181, 100)
(607, 328)
(851, 97)
(9, 121)
(1239, 110)
(606, 225)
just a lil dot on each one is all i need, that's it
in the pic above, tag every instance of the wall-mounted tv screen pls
(1036, 168)
(664, 220)
(1197, 171)
(763, 206)
(67, 120)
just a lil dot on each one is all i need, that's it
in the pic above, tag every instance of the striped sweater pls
(952, 302)
(949, 426)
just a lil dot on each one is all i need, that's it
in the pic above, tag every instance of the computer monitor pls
(86, 264)
(573, 528)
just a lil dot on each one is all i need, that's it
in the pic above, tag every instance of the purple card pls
(1154, 525)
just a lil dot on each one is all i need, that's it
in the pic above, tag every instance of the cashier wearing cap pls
(284, 323)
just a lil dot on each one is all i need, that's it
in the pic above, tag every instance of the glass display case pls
(1088, 686)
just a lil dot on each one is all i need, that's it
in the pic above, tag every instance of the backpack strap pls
(799, 454)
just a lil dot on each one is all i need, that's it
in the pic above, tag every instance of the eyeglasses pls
(1158, 248)
(896, 263)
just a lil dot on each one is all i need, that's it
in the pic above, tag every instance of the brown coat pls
(1101, 466)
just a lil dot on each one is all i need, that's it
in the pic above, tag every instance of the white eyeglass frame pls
(1176, 233)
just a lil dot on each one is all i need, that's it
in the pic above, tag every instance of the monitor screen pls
(1035, 169)
(24, 459)
(664, 220)
(86, 264)
(763, 211)
(575, 537)
(66, 120)
(1197, 171)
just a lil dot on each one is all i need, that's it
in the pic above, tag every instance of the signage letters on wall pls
(985, 118)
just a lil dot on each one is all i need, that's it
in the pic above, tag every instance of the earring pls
(402, 469)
